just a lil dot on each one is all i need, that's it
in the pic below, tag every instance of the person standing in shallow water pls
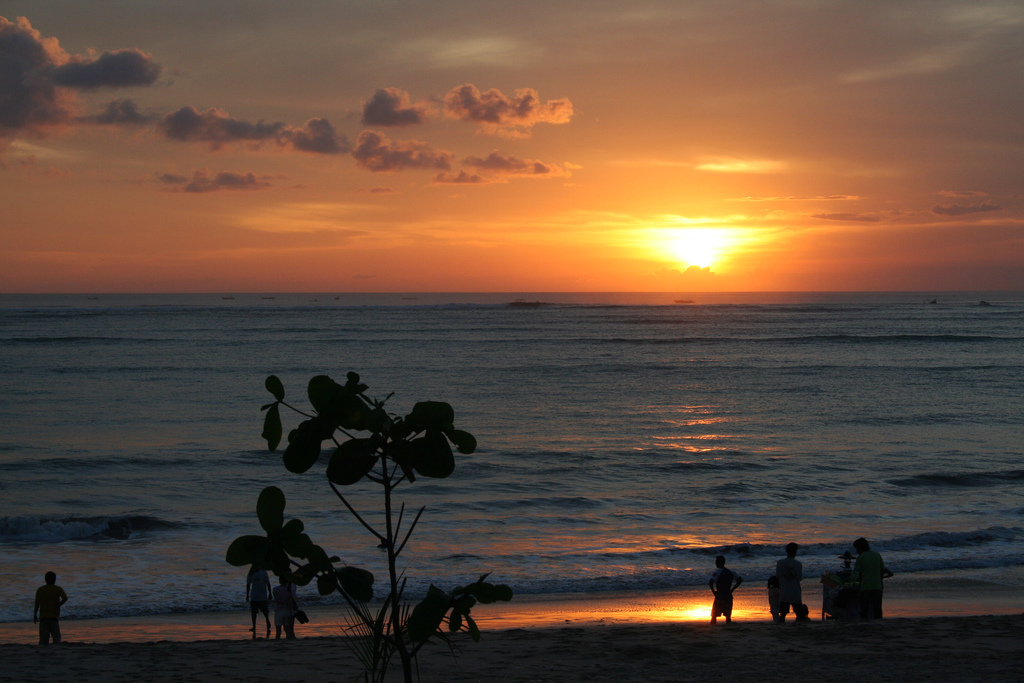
(46, 613)
(869, 570)
(722, 586)
(790, 572)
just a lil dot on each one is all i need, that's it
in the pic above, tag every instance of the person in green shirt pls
(869, 570)
(46, 613)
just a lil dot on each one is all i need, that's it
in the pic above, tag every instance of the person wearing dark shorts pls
(257, 592)
(721, 584)
(46, 613)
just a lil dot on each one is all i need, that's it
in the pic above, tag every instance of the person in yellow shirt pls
(49, 598)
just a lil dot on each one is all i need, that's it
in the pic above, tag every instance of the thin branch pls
(355, 514)
(398, 524)
(409, 533)
(296, 410)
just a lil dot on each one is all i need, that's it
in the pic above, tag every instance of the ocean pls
(625, 440)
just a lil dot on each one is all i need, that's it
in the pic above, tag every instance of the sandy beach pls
(984, 648)
(653, 636)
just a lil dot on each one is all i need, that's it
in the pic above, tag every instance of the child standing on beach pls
(722, 586)
(773, 598)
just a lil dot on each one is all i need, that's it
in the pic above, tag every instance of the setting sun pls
(696, 247)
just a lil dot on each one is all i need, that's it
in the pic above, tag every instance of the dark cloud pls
(226, 180)
(215, 126)
(509, 165)
(117, 69)
(855, 217)
(389, 107)
(218, 128)
(38, 78)
(374, 151)
(29, 99)
(461, 178)
(960, 210)
(318, 136)
(119, 113)
(494, 109)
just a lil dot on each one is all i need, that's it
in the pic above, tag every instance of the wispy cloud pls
(962, 210)
(737, 165)
(202, 182)
(850, 217)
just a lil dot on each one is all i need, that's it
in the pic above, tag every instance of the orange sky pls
(493, 146)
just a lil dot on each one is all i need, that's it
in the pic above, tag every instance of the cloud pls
(317, 136)
(962, 193)
(215, 126)
(225, 180)
(731, 165)
(29, 99)
(374, 151)
(218, 128)
(117, 69)
(805, 198)
(496, 111)
(855, 217)
(512, 166)
(960, 210)
(38, 78)
(461, 178)
(119, 113)
(389, 107)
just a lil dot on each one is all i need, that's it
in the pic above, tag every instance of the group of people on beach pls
(784, 593)
(258, 593)
(784, 590)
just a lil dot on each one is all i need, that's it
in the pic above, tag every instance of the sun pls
(696, 246)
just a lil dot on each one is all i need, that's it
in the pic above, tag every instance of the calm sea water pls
(625, 440)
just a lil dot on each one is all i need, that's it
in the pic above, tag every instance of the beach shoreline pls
(942, 595)
(980, 648)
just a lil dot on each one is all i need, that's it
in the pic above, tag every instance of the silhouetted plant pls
(395, 450)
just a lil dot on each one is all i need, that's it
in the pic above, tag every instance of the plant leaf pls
(245, 550)
(274, 386)
(270, 509)
(464, 441)
(436, 459)
(358, 583)
(427, 616)
(272, 427)
(304, 444)
(431, 415)
(351, 461)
